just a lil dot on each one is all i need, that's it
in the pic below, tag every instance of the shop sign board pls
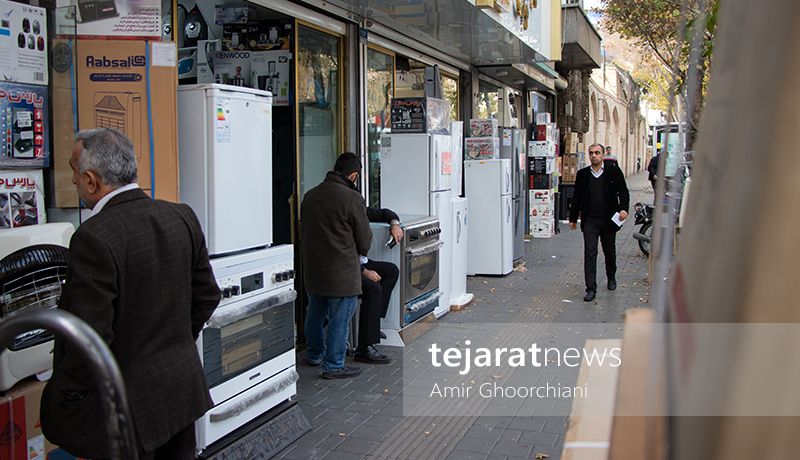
(111, 19)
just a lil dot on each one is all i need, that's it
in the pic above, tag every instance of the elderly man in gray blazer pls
(138, 274)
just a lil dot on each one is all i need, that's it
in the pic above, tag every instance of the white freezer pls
(491, 217)
(460, 239)
(225, 154)
(412, 166)
(441, 207)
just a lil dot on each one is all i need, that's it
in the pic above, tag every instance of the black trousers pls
(604, 230)
(375, 301)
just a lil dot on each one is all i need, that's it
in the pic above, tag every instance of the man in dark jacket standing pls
(600, 194)
(139, 275)
(335, 231)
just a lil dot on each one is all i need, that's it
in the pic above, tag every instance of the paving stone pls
(465, 455)
(476, 444)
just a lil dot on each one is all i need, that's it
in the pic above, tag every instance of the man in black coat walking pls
(652, 171)
(601, 196)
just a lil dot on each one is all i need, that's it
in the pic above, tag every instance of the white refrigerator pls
(225, 154)
(416, 175)
(491, 217)
(512, 146)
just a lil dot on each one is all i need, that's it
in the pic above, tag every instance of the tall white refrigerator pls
(512, 146)
(491, 217)
(225, 154)
(416, 174)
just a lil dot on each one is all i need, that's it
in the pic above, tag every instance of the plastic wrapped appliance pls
(33, 266)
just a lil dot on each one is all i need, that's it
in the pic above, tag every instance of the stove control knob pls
(277, 277)
(226, 293)
(290, 273)
(236, 290)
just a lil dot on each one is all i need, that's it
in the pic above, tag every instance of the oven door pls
(242, 336)
(420, 270)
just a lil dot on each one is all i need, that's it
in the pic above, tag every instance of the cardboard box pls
(232, 67)
(112, 92)
(483, 127)
(545, 132)
(542, 181)
(481, 148)
(537, 165)
(19, 419)
(541, 149)
(23, 39)
(270, 70)
(541, 211)
(540, 196)
(542, 229)
(234, 37)
(109, 19)
(21, 198)
(24, 126)
(571, 143)
(569, 166)
(233, 14)
(420, 115)
(543, 118)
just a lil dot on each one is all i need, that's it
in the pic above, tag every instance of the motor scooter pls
(644, 217)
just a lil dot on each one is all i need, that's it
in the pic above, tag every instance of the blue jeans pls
(331, 350)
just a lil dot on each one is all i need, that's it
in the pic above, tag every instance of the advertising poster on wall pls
(113, 19)
(23, 126)
(21, 199)
(23, 43)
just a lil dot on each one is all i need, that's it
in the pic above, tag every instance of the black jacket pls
(652, 168)
(614, 189)
(381, 215)
(334, 231)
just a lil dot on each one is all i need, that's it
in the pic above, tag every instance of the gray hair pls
(109, 153)
(602, 149)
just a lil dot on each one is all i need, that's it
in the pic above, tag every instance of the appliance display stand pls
(461, 302)
(263, 439)
(411, 332)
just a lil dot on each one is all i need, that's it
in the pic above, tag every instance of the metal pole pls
(100, 361)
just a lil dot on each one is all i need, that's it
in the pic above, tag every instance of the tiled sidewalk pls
(362, 418)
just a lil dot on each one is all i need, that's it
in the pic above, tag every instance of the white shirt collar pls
(99, 206)
(597, 174)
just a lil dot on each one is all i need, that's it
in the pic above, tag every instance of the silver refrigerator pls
(512, 147)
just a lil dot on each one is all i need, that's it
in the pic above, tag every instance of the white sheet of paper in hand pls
(615, 218)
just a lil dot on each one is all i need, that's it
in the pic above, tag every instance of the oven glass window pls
(422, 269)
(240, 346)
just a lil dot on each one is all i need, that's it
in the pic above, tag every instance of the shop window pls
(380, 90)
(318, 102)
(487, 100)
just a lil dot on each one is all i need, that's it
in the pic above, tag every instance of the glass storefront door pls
(380, 91)
(318, 104)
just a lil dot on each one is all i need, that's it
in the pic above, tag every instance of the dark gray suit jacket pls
(139, 275)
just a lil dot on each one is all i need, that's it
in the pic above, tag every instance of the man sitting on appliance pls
(377, 282)
(335, 231)
(139, 275)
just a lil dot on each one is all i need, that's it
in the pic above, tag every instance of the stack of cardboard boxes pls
(543, 171)
(483, 142)
(19, 420)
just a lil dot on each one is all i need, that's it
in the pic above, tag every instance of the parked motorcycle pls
(644, 217)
